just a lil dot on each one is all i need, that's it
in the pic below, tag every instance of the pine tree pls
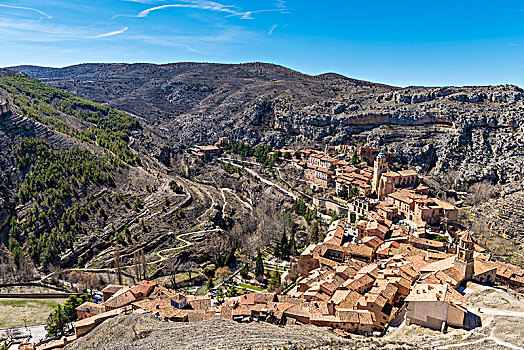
(284, 246)
(220, 295)
(230, 257)
(56, 322)
(259, 265)
(292, 242)
(244, 272)
(275, 279)
(314, 237)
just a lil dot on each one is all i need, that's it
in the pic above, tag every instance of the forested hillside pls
(106, 126)
(59, 152)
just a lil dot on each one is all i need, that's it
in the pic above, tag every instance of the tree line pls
(51, 177)
(105, 126)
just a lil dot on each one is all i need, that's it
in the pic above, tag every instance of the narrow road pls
(495, 312)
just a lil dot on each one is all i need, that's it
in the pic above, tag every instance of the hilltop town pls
(359, 225)
(391, 254)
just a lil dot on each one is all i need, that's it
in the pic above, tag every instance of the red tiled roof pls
(467, 237)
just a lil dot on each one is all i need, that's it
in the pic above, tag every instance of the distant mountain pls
(476, 131)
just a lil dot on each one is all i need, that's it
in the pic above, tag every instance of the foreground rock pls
(145, 332)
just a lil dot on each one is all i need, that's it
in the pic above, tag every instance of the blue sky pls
(402, 43)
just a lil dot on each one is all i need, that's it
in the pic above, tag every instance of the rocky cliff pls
(475, 131)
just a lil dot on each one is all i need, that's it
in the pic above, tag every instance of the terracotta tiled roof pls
(299, 310)
(371, 269)
(357, 282)
(121, 298)
(482, 266)
(455, 298)
(340, 295)
(439, 265)
(365, 317)
(96, 319)
(454, 274)
(408, 172)
(509, 271)
(113, 288)
(418, 262)
(372, 241)
(162, 306)
(348, 315)
(444, 205)
(437, 292)
(466, 237)
(287, 299)
(91, 308)
(351, 300)
(141, 289)
(360, 251)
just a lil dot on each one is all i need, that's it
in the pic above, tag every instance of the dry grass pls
(16, 312)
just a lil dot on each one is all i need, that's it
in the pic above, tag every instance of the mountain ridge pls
(429, 128)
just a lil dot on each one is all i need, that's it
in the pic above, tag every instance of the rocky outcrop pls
(476, 131)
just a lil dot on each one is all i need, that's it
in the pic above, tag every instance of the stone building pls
(466, 265)
(380, 167)
(464, 261)
(435, 306)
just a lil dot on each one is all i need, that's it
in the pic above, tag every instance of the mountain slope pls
(475, 132)
(71, 185)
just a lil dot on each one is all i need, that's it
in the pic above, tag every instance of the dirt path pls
(186, 244)
(192, 191)
(491, 337)
(246, 204)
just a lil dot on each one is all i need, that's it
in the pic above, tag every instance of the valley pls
(221, 181)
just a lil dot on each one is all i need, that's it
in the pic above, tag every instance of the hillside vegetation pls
(108, 127)
(51, 176)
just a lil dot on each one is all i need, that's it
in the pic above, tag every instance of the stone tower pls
(464, 261)
(381, 166)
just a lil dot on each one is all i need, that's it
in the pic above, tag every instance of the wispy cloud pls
(45, 32)
(281, 4)
(201, 44)
(201, 5)
(230, 10)
(116, 32)
(514, 44)
(272, 29)
(42, 13)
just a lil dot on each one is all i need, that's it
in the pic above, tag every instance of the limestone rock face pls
(476, 131)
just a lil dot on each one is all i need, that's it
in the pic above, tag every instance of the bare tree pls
(136, 265)
(482, 191)
(118, 263)
(26, 268)
(172, 268)
(4, 270)
(144, 265)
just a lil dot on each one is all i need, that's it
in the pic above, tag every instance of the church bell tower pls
(381, 166)
(464, 261)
